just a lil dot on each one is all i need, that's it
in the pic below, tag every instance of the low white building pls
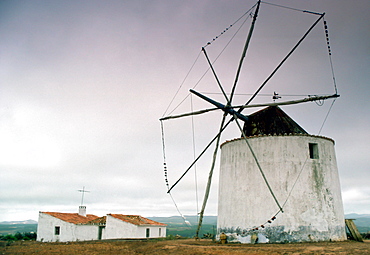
(66, 227)
(133, 226)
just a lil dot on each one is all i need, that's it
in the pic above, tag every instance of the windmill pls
(234, 114)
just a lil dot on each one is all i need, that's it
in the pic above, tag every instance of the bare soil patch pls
(183, 247)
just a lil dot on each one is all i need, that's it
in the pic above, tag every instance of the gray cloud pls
(83, 86)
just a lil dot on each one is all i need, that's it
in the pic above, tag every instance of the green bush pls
(8, 238)
(19, 236)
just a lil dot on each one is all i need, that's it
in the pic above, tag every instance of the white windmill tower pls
(300, 172)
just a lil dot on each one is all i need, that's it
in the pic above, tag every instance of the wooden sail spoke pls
(299, 101)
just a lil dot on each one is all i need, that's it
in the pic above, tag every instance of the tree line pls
(19, 236)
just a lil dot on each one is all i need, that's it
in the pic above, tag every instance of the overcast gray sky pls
(83, 84)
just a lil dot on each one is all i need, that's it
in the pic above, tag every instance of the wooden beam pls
(304, 100)
(353, 230)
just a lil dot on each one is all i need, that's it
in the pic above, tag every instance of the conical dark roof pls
(269, 121)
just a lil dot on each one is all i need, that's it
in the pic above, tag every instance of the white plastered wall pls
(68, 231)
(116, 229)
(314, 202)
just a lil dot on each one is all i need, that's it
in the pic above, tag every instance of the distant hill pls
(12, 227)
(362, 221)
(18, 222)
(356, 216)
(176, 225)
(212, 220)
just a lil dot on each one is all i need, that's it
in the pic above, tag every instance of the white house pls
(132, 226)
(64, 227)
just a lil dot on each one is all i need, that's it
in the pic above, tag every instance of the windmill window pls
(57, 230)
(160, 232)
(314, 150)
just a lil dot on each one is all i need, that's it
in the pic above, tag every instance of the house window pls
(57, 230)
(147, 232)
(160, 232)
(314, 151)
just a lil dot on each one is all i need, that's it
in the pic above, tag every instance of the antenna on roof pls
(83, 193)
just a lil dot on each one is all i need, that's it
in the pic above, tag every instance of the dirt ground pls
(183, 246)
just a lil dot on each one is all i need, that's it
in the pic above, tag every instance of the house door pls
(100, 232)
(148, 232)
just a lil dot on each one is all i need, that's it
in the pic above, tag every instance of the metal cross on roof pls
(83, 193)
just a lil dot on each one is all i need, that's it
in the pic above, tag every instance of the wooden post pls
(353, 230)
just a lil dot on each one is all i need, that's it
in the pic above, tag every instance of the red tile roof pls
(74, 218)
(98, 221)
(136, 220)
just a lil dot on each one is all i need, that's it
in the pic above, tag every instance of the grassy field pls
(181, 247)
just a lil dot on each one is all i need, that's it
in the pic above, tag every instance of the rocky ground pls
(182, 246)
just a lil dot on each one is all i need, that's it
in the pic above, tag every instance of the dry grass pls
(182, 247)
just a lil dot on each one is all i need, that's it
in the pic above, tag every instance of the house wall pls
(117, 229)
(154, 231)
(314, 210)
(68, 231)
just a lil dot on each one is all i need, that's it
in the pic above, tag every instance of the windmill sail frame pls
(228, 109)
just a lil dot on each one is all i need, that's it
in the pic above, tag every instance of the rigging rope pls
(178, 210)
(166, 174)
(164, 157)
(329, 52)
(195, 166)
(293, 9)
(182, 83)
(331, 106)
(226, 29)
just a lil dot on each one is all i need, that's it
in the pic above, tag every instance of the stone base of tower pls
(302, 173)
(282, 234)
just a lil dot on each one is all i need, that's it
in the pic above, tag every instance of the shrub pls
(8, 238)
(19, 236)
